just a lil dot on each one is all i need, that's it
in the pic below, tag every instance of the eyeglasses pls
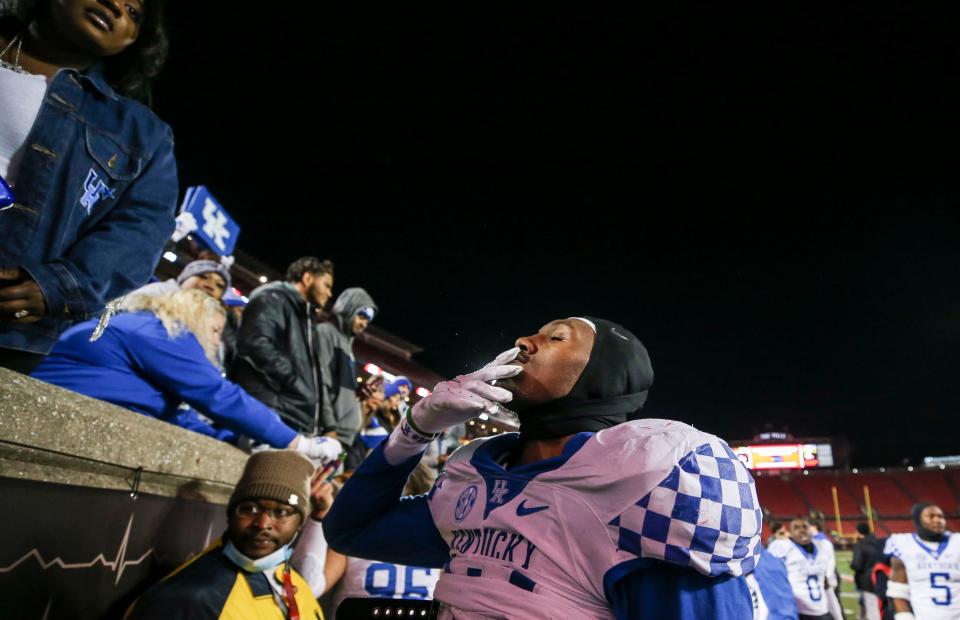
(253, 509)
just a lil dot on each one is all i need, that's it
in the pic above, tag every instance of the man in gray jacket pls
(340, 413)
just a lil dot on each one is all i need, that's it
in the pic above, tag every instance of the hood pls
(348, 303)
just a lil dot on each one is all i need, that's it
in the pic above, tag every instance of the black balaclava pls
(611, 389)
(923, 532)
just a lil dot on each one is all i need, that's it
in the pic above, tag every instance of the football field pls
(849, 599)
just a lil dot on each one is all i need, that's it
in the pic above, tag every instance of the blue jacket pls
(95, 199)
(138, 366)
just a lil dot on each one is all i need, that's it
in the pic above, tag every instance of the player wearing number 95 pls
(589, 512)
(925, 580)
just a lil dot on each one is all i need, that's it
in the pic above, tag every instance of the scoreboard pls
(786, 455)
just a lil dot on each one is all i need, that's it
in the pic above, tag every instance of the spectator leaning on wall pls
(162, 355)
(87, 205)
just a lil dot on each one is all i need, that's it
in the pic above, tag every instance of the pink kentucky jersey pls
(545, 544)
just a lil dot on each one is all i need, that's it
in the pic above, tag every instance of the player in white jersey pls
(588, 512)
(372, 579)
(825, 545)
(806, 570)
(925, 578)
(326, 570)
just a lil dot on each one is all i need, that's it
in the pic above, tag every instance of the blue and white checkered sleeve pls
(704, 515)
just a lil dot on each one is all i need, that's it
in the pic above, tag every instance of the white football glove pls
(320, 450)
(466, 397)
(452, 402)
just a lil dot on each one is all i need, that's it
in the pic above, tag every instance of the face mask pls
(259, 565)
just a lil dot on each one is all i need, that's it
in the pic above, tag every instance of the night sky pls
(767, 200)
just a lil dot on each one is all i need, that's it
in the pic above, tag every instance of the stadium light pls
(170, 256)
(883, 469)
(856, 471)
(484, 416)
(387, 376)
(806, 473)
(910, 468)
(373, 369)
(423, 392)
(494, 429)
(942, 466)
(263, 279)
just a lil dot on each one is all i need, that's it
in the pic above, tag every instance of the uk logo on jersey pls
(465, 502)
(500, 489)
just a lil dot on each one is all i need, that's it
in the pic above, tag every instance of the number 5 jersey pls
(933, 572)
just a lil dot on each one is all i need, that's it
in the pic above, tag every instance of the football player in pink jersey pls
(590, 511)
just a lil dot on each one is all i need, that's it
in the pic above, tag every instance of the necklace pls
(15, 65)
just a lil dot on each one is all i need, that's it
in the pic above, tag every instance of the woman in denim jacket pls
(91, 171)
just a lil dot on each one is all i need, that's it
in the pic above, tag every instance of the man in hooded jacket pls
(340, 410)
(589, 512)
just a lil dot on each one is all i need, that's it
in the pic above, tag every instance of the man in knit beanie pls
(248, 572)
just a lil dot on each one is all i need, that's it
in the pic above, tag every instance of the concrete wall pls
(84, 547)
(49, 434)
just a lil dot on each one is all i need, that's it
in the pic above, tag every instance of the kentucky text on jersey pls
(494, 543)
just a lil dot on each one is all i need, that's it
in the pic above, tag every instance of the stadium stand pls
(817, 490)
(778, 497)
(931, 486)
(886, 496)
(892, 495)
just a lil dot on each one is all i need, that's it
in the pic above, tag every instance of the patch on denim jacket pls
(94, 188)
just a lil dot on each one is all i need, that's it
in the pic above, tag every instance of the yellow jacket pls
(212, 587)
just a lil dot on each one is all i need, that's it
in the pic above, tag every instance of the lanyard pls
(288, 594)
(283, 594)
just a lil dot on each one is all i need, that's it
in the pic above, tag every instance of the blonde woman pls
(160, 354)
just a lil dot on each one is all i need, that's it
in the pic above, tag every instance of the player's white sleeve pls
(779, 548)
(892, 547)
(310, 556)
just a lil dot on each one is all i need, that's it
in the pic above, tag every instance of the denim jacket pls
(95, 199)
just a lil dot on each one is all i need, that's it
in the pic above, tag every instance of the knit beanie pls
(280, 475)
(393, 387)
(198, 267)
